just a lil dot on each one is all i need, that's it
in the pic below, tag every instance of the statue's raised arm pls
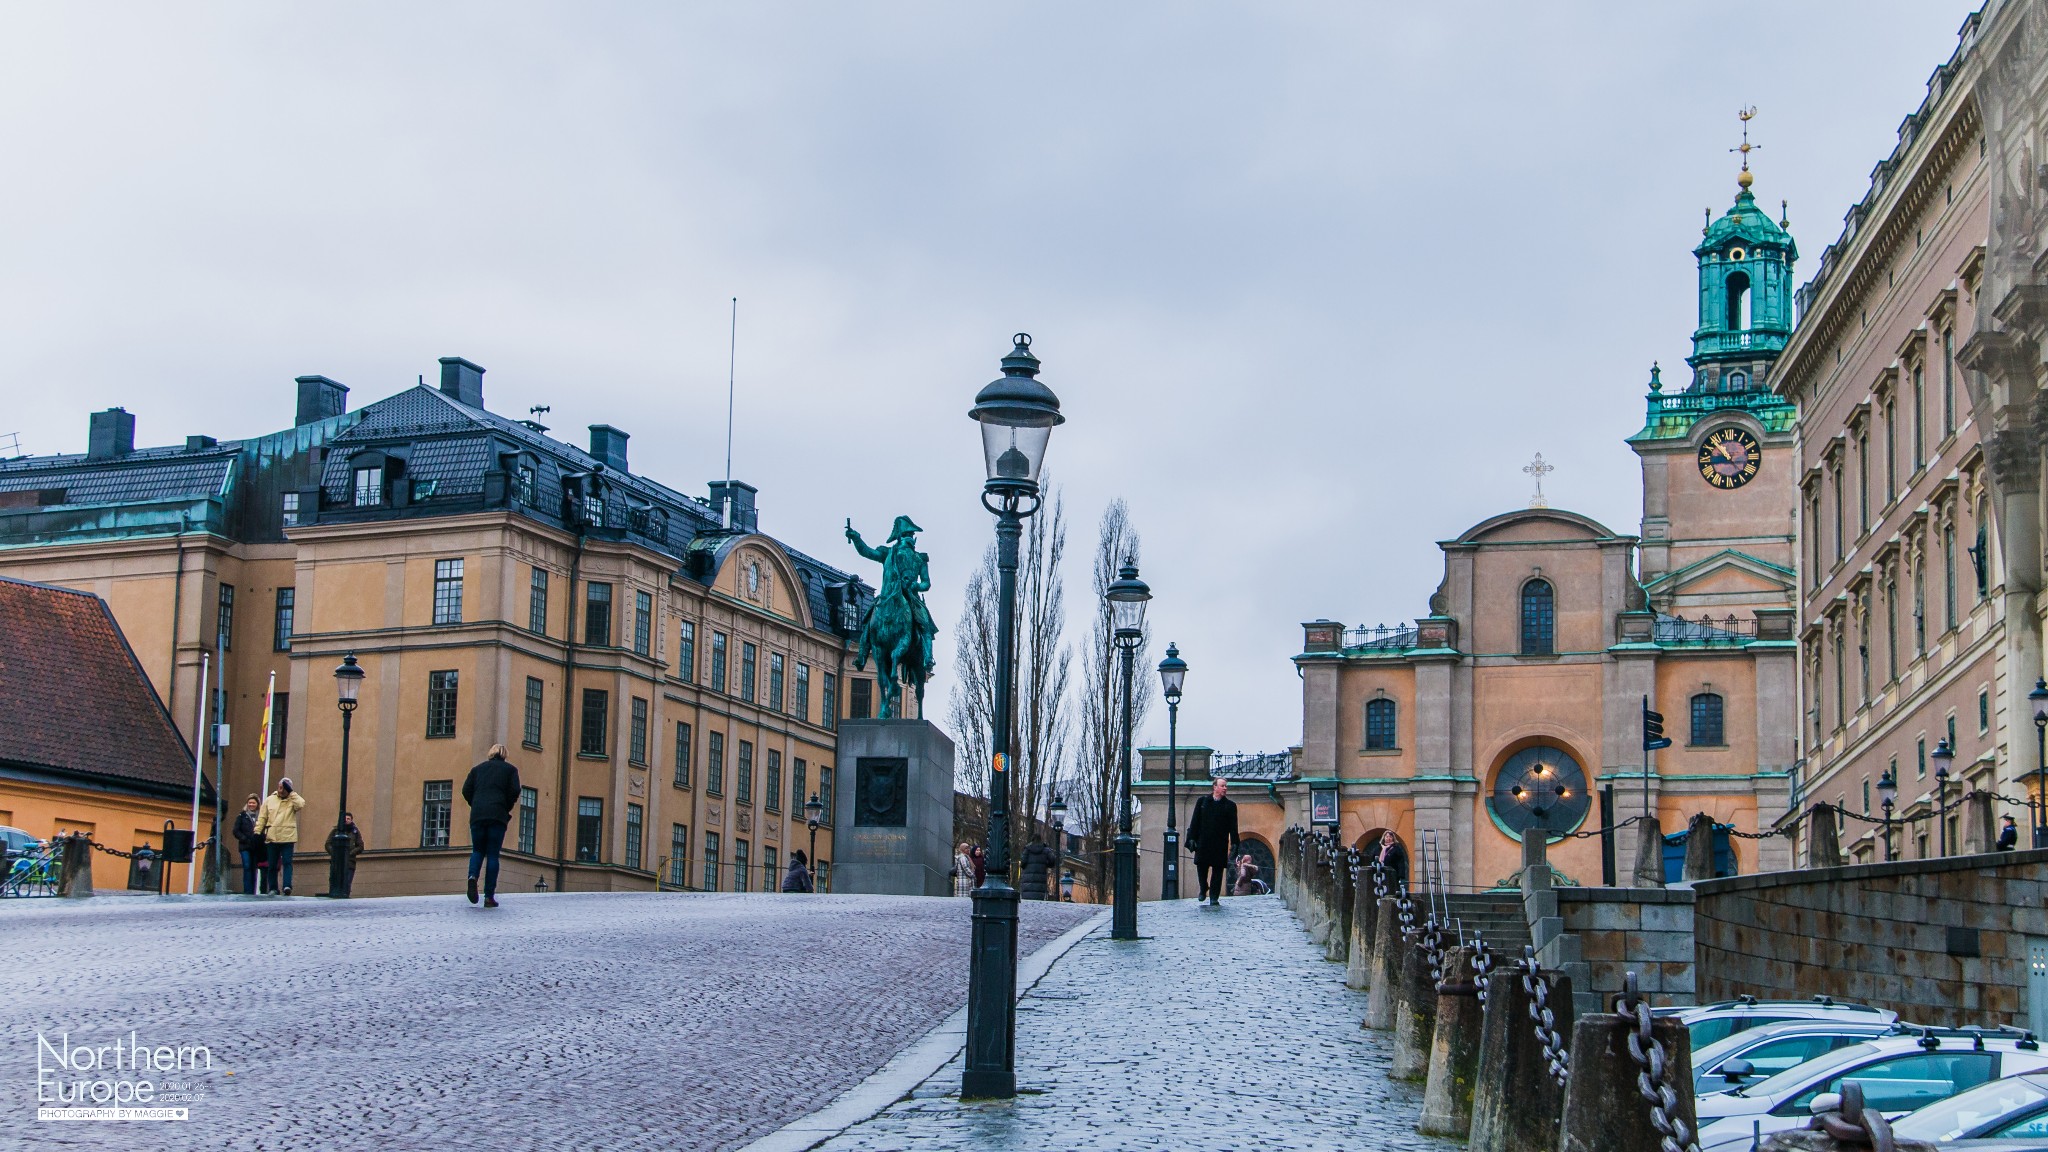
(898, 630)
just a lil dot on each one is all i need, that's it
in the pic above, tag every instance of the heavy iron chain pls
(154, 852)
(1406, 908)
(1379, 881)
(1351, 861)
(1855, 1125)
(1555, 1055)
(1651, 1062)
(1482, 965)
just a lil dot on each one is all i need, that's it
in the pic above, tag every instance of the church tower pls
(1717, 454)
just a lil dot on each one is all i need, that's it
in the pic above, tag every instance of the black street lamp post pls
(1943, 756)
(1017, 414)
(814, 813)
(1173, 672)
(348, 682)
(1127, 597)
(2039, 801)
(1888, 795)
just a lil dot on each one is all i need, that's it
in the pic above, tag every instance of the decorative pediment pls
(1726, 573)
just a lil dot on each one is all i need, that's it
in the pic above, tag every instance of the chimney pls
(608, 445)
(200, 443)
(320, 399)
(462, 381)
(111, 434)
(734, 500)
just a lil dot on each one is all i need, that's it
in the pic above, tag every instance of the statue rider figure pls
(898, 629)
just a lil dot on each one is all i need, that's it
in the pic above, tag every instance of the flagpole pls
(198, 768)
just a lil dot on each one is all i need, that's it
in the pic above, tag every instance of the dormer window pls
(523, 483)
(369, 486)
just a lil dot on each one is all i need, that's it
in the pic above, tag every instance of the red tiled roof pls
(73, 698)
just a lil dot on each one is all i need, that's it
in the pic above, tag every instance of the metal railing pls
(32, 871)
(1390, 636)
(1704, 631)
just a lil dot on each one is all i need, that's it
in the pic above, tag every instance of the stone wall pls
(1940, 941)
(1648, 931)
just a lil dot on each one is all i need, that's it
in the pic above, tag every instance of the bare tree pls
(1095, 797)
(971, 707)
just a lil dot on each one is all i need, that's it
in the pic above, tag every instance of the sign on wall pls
(1322, 807)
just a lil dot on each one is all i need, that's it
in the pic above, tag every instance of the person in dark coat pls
(980, 866)
(355, 849)
(1393, 860)
(492, 791)
(2009, 835)
(251, 844)
(798, 877)
(1038, 866)
(1212, 838)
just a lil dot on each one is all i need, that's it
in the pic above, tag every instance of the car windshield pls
(1802, 1074)
(1705, 1059)
(1960, 1115)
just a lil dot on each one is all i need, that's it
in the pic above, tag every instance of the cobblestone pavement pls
(588, 1021)
(1225, 1030)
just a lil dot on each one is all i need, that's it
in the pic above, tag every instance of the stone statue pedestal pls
(893, 809)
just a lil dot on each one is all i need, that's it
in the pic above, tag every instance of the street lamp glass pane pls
(1014, 452)
(348, 679)
(1887, 789)
(1171, 677)
(1127, 615)
(814, 807)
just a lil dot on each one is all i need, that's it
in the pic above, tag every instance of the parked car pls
(1759, 1053)
(2014, 1107)
(1900, 1073)
(15, 841)
(1711, 1022)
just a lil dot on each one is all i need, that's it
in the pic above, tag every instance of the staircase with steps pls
(1495, 915)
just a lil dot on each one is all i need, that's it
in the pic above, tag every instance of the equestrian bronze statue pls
(898, 629)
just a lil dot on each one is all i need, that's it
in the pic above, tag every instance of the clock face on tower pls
(1729, 458)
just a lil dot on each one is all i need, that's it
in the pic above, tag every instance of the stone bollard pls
(1387, 951)
(74, 866)
(1339, 949)
(1699, 846)
(1517, 1103)
(1649, 869)
(1603, 1111)
(1364, 921)
(1454, 1050)
(1414, 1015)
(1318, 899)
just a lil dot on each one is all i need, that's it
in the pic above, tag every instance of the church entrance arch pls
(1368, 847)
(1262, 858)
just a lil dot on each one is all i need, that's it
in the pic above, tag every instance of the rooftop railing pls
(1390, 636)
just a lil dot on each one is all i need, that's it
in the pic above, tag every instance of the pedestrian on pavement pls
(1393, 859)
(1212, 837)
(2008, 835)
(251, 843)
(980, 860)
(798, 877)
(278, 824)
(963, 870)
(355, 849)
(1038, 866)
(492, 792)
(1248, 882)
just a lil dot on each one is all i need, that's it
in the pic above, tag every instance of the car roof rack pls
(1930, 1036)
(1745, 1000)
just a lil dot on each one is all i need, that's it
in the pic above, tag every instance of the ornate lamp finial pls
(1656, 377)
(1538, 470)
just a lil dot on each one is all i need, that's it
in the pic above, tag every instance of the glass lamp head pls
(1173, 672)
(348, 681)
(1127, 596)
(1017, 413)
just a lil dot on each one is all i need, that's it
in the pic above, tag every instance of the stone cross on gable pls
(1538, 470)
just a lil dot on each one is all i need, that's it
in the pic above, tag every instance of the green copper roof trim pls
(1673, 415)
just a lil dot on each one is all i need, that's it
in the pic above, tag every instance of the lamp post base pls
(991, 1072)
(1169, 869)
(1123, 920)
(337, 864)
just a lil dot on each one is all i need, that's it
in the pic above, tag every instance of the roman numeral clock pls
(1729, 458)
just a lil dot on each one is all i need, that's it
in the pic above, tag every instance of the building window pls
(862, 704)
(1920, 752)
(775, 681)
(1891, 452)
(773, 802)
(522, 484)
(1919, 418)
(1980, 556)
(1862, 483)
(290, 508)
(529, 818)
(1983, 711)
(1951, 731)
(829, 702)
(224, 618)
(441, 688)
(281, 627)
(537, 603)
(1539, 619)
(369, 489)
(1891, 630)
(1841, 677)
(597, 616)
(1835, 475)
(1866, 795)
(1863, 650)
(825, 793)
(718, 661)
(678, 856)
(714, 763)
(636, 732)
(1738, 302)
(767, 868)
(1948, 573)
(740, 864)
(801, 704)
(1813, 533)
(682, 755)
(634, 815)
(589, 829)
(747, 658)
(596, 709)
(686, 653)
(535, 693)
(1919, 607)
(447, 591)
(1948, 380)
(711, 861)
(643, 622)
(280, 722)
(799, 775)
(1706, 720)
(437, 801)
(744, 793)
(1379, 724)
(824, 874)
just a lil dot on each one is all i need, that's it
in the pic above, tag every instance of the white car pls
(1711, 1022)
(1759, 1053)
(2013, 1107)
(1899, 1074)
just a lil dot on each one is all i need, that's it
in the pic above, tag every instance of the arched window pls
(1738, 302)
(1539, 618)
(1738, 382)
(1379, 724)
(1706, 720)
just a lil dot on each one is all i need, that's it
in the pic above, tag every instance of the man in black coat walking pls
(492, 791)
(1212, 837)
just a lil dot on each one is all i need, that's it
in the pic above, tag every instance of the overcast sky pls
(1313, 282)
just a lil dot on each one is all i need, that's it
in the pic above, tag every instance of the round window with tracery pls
(1540, 785)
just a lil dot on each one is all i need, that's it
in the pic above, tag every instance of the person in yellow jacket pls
(278, 824)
